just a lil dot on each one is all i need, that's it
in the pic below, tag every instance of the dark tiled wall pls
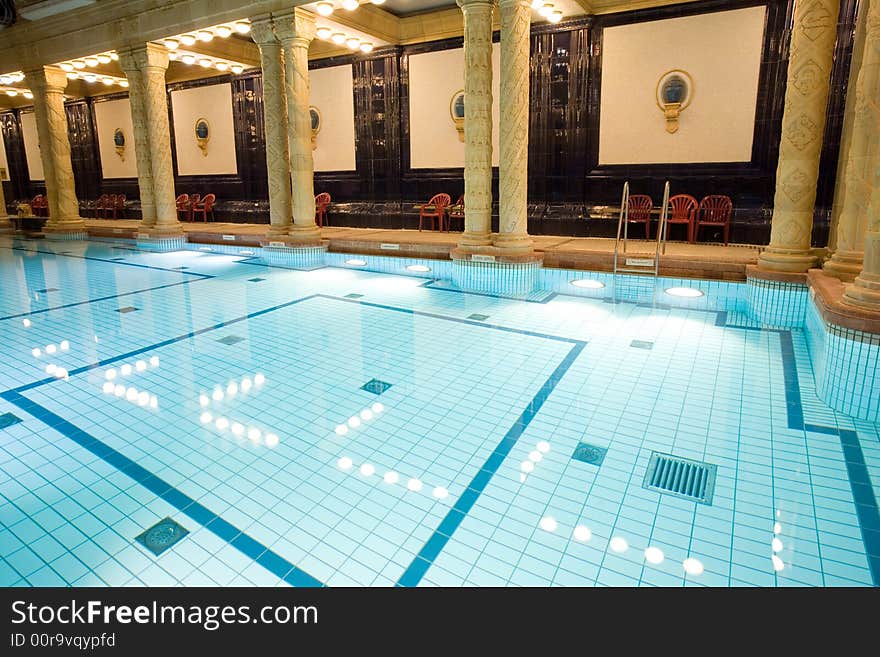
(566, 183)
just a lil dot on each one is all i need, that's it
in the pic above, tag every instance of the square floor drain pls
(591, 454)
(230, 339)
(477, 317)
(162, 536)
(375, 386)
(181, 267)
(117, 259)
(641, 344)
(255, 280)
(126, 309)
(8, 419)
(353, 296)
(672, 475)
(48, 289)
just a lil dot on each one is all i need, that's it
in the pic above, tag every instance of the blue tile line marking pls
(867, 510)
(425, 558)
(162, 489)
(432, 285)
(114, 262)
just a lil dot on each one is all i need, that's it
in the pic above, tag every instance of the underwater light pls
(654, 555)
(356, 262)
(588, 283)
(684, 292)
(693, 566)
(418, 268)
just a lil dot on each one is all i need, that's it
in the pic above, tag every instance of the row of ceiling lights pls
(353, 42)
(89, 62)
(547, 10)
(13, 92)
(206, 35)
(11, 78)
(190, 58)
(326, 8)
(108, 80)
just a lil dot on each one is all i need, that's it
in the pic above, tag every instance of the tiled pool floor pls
(231, 399)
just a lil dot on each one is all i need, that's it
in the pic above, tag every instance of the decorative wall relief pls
(675, 90)
(456, 111)
(315, 119)
(119, 143)
(203, 135)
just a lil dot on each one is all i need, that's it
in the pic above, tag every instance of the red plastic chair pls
(435, 210)
(639, 211)
(193, 199)
(322, 202)
(455, 212)
(100, 206)
(715, 210)
(183, 208)
(119, 206)
(39, 205)
(683, 210)
(204, 207)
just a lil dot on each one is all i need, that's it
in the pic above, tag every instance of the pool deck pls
(711, 261)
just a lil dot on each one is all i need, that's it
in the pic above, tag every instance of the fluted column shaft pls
(803, 124)
(136, 99)
(296, 31)
(477, 122)
(513, 238)
(860, 173)
(47, 85)
(275, 125)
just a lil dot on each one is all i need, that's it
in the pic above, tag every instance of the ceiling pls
(404, 7)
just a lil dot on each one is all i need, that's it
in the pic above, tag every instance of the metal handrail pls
(662, 229)
(622, 222)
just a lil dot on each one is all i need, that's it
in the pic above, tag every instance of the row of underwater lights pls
(583, 283)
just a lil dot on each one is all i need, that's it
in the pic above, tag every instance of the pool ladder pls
(640, 265)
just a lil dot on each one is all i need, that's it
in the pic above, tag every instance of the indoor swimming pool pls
(199, 418)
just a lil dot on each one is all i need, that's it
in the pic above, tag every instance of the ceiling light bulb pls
(114, 56)
(237, 68)
(104, 59)
(123, 83)
(173, 56)
(224, 31)
(350, 5)
(555, 16)
(324, 8)
(171, 44)
(66, 66)
(545, 9)
(78, 63)
(378, 2)
(73, 76)
(338, 38)
(242, 27)
(89, 77)
(187, 39)
(188, 59)
(537, 4)
(11, 92)
(91, 61)
(18, 76)
(205, 35)
(5, 79)
(366, 46)
(107, 81)
(28, 95)
(353, 42)
(205, 63)
(221, 66)
(323, 33)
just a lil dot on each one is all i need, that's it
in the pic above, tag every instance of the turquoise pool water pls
(345, 427)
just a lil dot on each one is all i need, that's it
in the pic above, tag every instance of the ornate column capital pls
(263, 30)
(468, 4)
(46, 79)
(296, 28)
(139, 58)
(509, 4)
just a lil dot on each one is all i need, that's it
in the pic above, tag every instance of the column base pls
(65, 230)
(294, 257)
(514, 245)
(278, 232)
(844, 265)
(304, 236)
(864, 292)
(6, 225)
(786, 260)
(472, 242)
(160, 242)
(496, 273)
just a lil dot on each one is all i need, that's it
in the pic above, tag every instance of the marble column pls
(811, 53)
(151, 61)
(47, 85)
(862, 157)
(136, 99)
(275, 125)
(512, 238)
(5, 224)
(296, 30)
(477, 123)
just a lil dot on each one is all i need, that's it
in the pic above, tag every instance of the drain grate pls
(8, 419)
(641, 344)
(477, 317)
(45, 290)
(671, 475)
(256, 280)
(353, 296)
(591, 454)
(181, 267)
(127, 309)
(162, 536)
(376, 386)
(230, 339)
